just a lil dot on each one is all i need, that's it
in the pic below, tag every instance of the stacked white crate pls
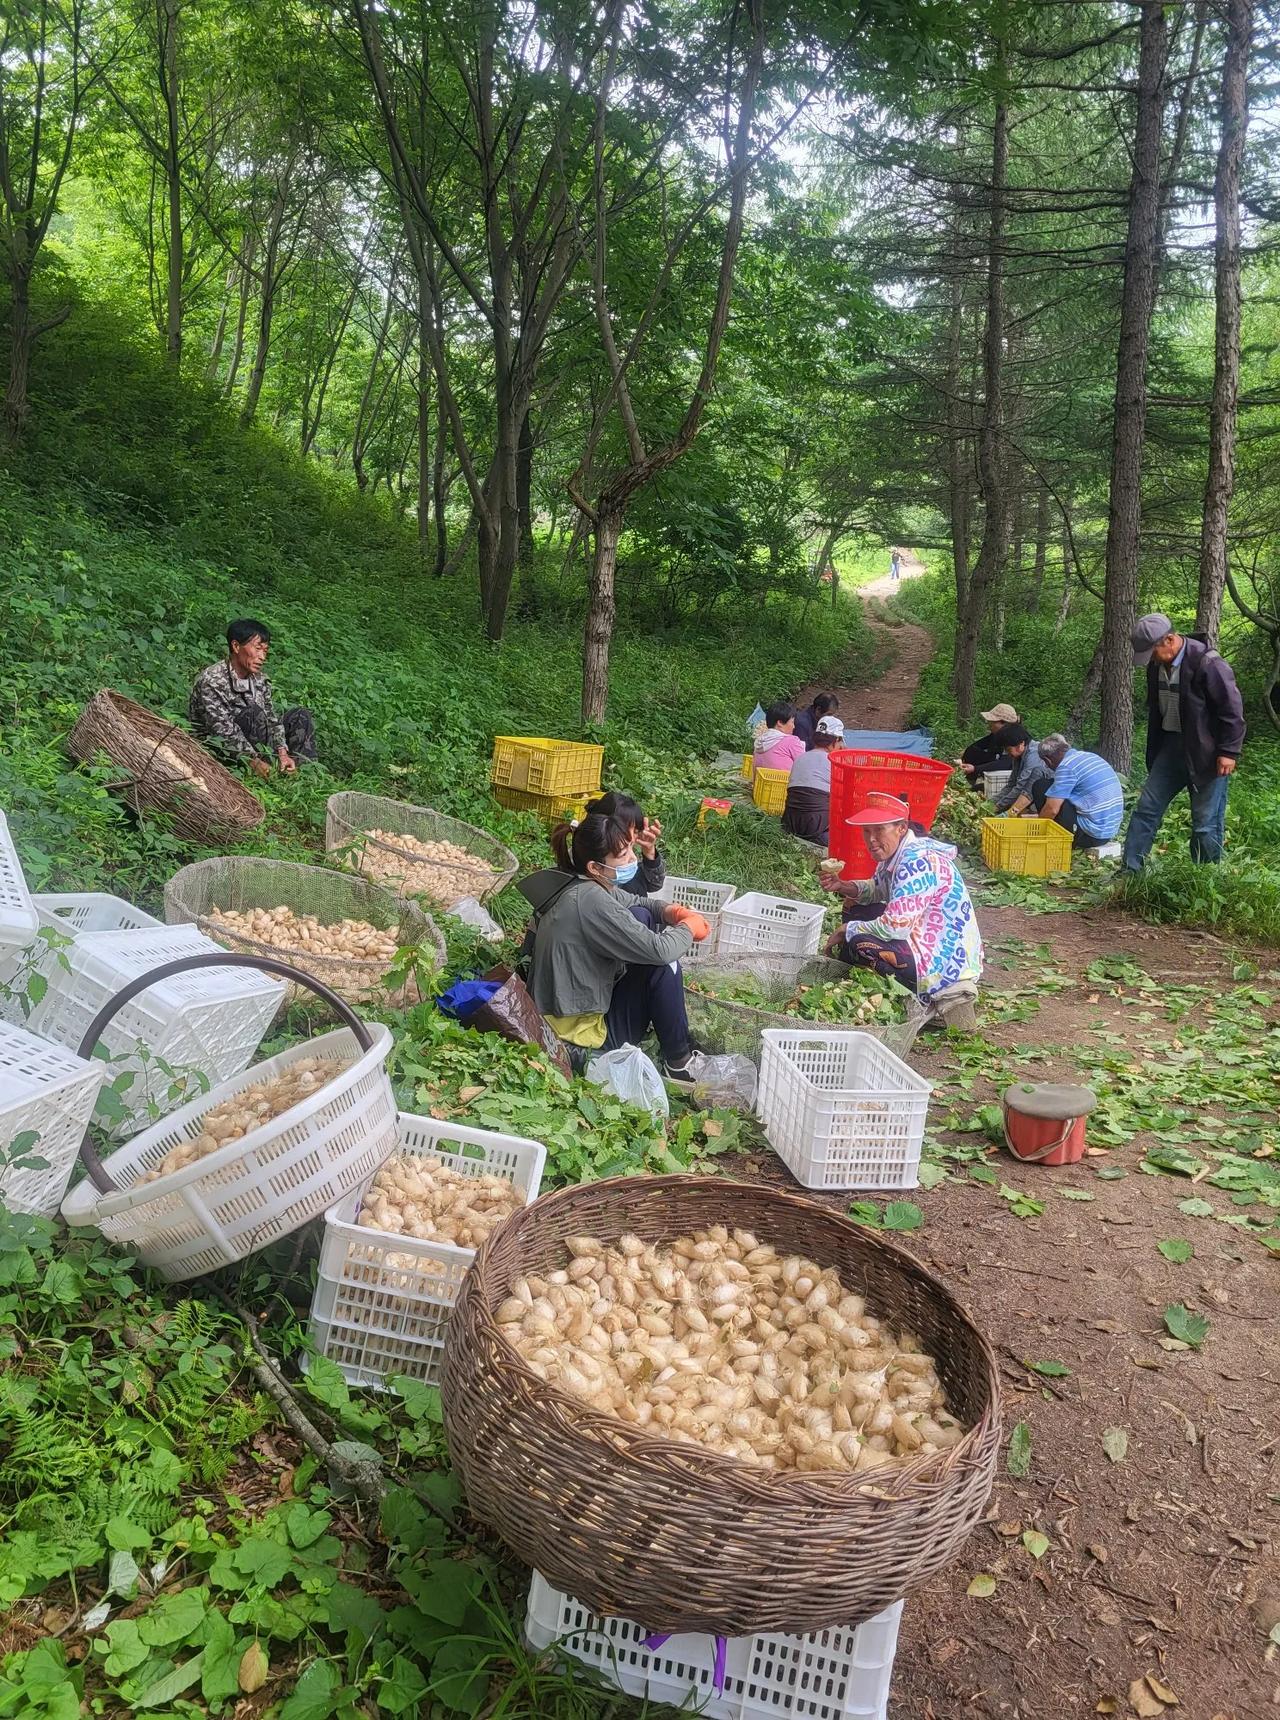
(46, 1100)
(704, 898)
(19, 921)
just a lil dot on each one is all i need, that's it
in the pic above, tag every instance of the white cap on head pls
(830, 726)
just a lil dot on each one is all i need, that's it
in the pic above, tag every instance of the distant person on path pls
(1085, 796)
(1195, 734)
(231, 708)
(807, 719)
(808, 808)
(645, 835)
(924, 932)
(895, 563)
(987, 752)
(1029, 773)
(778, 747)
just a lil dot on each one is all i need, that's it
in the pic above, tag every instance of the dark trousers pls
(648, 997)
(891, 957)
(298, 724)
(1068, 817)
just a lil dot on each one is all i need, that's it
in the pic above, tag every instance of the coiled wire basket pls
(724, 1024)
(408, 866)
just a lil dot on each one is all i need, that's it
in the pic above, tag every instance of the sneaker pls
(688, 1073)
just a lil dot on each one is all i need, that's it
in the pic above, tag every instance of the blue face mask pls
(624, 874)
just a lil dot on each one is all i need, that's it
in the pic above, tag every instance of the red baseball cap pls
(881, 809)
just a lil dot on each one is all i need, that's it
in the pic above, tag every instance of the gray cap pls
(1148, 633)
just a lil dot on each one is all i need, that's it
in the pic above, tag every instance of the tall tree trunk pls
(1068, 582)
(1124, 523)
(991, 462)
(242, 317)
(219, 335)
(602, 610)
(426, 391)
(524, 490)
(266, 311)
(959, 453)
(1042, 536)
(17, 405)
(167, 24)
(1220, 480)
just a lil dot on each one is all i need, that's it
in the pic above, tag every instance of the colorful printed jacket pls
(927, 905)
(218, 696)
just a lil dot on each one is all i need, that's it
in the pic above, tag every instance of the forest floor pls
(1156, 1582)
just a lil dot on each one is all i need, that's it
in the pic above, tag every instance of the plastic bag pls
(472, 914)
(507, 1009)
(755, 722)
(728, 1080)
(632, 1075)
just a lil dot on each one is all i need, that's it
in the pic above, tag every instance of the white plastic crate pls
(759, 925)
(19, 922)
(994, 782)
(840, 1110)
(382, 1302)
(704, 898)
(69, 915)
(203, 1026)
(258, 1188)
(46, 1092)
(836, 1674)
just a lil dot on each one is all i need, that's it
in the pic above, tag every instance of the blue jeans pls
(1165, 780)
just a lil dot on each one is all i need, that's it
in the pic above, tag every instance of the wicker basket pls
(720, 1024)
(207, 805)
(351, 815)
(242, 882)
(686, 1539)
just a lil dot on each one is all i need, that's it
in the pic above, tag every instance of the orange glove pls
(695, 922)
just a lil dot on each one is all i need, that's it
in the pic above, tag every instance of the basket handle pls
(186, 964)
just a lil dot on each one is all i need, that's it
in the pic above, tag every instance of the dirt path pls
(885, 701)
(1161, 1563)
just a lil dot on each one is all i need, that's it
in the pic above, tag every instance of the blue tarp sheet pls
(917, 741)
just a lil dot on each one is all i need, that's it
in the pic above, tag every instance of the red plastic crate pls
(857, 773)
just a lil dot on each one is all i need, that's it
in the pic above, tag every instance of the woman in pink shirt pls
(779, 746)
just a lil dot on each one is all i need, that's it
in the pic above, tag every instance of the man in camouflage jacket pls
(232, 711)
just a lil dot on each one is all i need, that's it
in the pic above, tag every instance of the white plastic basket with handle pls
(266, 1184)
(704, 898)
(183, 1034)
(46, 1093)
(382, 1302)
(840, 1110)
(763, 926)
(19, 922)
(838, 1674)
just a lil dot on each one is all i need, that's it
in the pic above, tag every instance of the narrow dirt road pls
(1132, 1534)
(884, 701)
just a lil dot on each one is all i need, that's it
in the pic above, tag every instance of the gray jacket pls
(1030, 771)
(585, 939)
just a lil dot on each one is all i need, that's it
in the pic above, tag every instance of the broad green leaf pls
(1115, 1442)
(163, 1691)
(902, 1215)
(1175, 1248)
(981, 1586)
(314, 1696)
(1035, 1543)
(1076, 1194)
(125, 1536)
(262, 1562)
(304, 1526)
(407, 1523)
(931, 1175)
(1018, 1456)
(127, 1649)
(219, 1676)
(1052, 1370)
(1187, 1327)
(422, 1403)
(1195, 1208)
(174, 1618)
(404, 1689)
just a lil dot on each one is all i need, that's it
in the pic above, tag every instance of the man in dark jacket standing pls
(1195, 730)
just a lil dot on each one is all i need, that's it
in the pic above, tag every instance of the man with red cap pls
(924, 932)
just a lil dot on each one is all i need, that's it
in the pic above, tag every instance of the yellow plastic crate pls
(550, 808)
(769, 790)
(535, 765)
(1033, 846)
(748, 759)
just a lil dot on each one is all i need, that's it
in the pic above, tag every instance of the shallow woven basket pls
(350, 815)
(683, 1539)
(719, 1024)
(244, 882)
(208, 805)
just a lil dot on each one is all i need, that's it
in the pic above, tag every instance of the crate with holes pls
(19, 922)
(46, 1100)
(395, 1252)
(704, 898)
(838, 1674)
(173, 1040)
(62, 919)
(841, 1110)
(762, 926)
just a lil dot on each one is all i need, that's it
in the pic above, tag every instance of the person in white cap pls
(808, 803)
(925, 932)
(1195, 734)
(987, 752)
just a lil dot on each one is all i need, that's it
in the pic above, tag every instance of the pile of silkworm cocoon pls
(718, 1340)
(420, 1196)
(249, 1109)
(282, 928)
(179, 766)
(440, 870)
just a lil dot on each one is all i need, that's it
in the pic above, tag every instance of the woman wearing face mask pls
(605, 967)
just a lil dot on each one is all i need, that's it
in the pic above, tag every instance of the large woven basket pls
(722, 1024)
(241, 882)
(202, 799)
(486, 866)
(684, 1539)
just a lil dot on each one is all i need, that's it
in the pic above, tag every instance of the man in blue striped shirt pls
(1085, 796)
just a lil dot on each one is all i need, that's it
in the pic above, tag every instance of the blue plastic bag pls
(465, 996)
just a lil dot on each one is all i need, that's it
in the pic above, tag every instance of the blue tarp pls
(917, 741)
